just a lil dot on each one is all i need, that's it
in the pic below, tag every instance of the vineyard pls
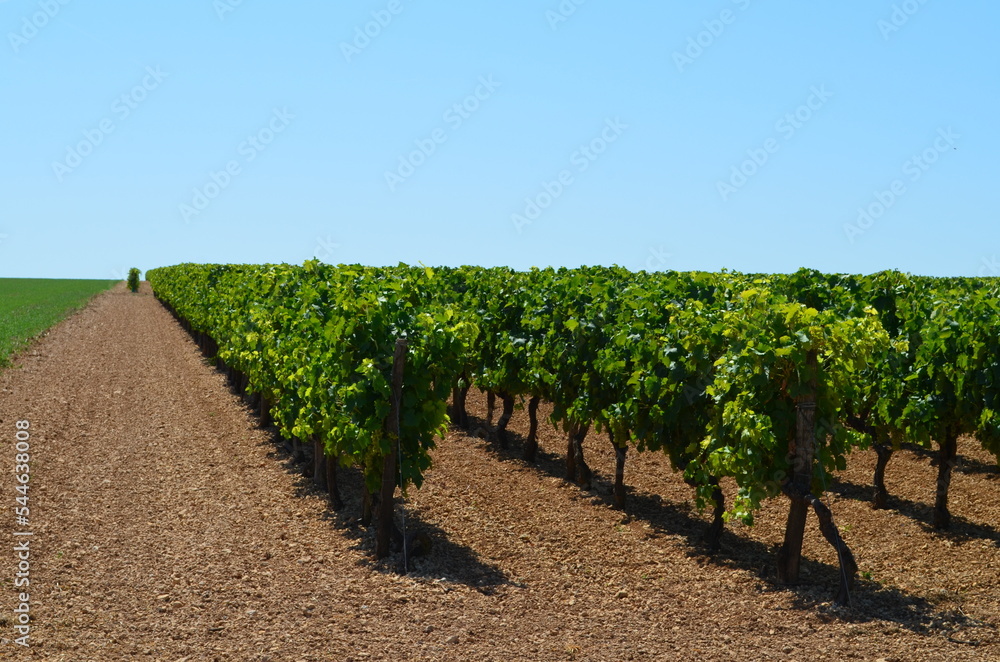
(170, 520)
(766, 383)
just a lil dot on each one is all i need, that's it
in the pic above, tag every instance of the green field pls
(28, 306)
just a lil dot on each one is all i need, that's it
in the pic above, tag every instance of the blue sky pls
(847, 136)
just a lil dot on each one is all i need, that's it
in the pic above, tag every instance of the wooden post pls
(800, 483)
(319, 462)
(947, 459)
(383, 534)
(620, 452)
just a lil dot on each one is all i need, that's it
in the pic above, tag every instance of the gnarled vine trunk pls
(947, 459)
(848, 565)
(383, 533)
(801, 453)
(265, 412)
(531, 443)
(799, 491)
(491, 405)
(576, 467)
(881, 497)
(319, 463)
(459, 395)
(508, 412)
(713, 536)
(331, 482)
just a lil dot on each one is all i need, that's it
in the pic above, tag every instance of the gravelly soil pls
(168, 526)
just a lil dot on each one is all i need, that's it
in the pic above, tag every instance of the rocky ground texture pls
(167, 525)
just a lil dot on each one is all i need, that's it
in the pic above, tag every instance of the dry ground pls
(168, 526)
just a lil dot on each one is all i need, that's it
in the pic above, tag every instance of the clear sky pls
(847, 136)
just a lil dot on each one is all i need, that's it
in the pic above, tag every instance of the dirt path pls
(168, 526)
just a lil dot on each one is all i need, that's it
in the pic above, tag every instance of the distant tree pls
(133, 279)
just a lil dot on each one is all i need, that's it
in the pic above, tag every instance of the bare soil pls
(168, 526)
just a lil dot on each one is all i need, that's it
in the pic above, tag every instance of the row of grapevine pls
(318, 343)
(720, 370)
(770, 380)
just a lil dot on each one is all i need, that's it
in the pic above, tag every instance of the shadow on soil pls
(965, 465)
(457, 563)
(445, 560)
(971, 466)
(870, 600)
(962, 530)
